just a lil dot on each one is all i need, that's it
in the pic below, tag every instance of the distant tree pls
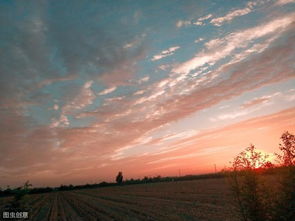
(119, 178)
(145, 179)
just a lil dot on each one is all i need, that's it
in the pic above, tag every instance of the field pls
(206, 199)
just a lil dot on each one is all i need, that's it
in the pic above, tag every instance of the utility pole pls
(215, 168)
(179, 174)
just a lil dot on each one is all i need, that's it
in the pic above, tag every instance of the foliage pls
(254, 201)
(250, 159)
(247, 188)
(287, 157)
(285, 209)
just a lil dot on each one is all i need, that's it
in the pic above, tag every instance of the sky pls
(158, 87)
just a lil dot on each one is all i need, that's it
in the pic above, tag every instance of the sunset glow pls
(144, 87)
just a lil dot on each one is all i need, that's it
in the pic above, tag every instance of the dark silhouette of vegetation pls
(285, 209)
(37, 190)
(145, 180)
(287, 157)
(255, 200)
(19, 202)
(119, 178)
(246, 186)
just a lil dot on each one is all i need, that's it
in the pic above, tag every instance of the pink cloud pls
(143, 117)
(108, 91)
(284, 2)
(219, 48)
(84, 98)
(170, 51)
(230, 16)
(227, 141)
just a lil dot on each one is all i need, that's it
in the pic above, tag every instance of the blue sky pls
(91, 86)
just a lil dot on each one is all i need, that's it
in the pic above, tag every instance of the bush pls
(249, 192)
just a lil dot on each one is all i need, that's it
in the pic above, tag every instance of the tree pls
(119, 178)
(250, 159)
(285, 208)
(248, 191)
(287, 158)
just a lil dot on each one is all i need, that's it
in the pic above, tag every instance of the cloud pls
(235, 79)
(230, 16)
(182, 23)
(108, 91)
(55, 107)
(217, 145)
(84, 98)
(234, 115)
(255, 102)
(205, 17)
(165, 53)
(63, 121)
(99, 49)
(199, 40)
(219, 21)
(201, 20)
(183, 134)
(54, 56)
(221, 47)
(198, 23)
(50, 81)
(139, 92)
(203, 152)
(256, 72)
(144, 79)
(136, 42)
(284, 2)
(254, 105)
(259, 100)
(60, 61)
(51, 49)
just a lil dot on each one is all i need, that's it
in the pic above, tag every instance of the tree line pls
(36, 190)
